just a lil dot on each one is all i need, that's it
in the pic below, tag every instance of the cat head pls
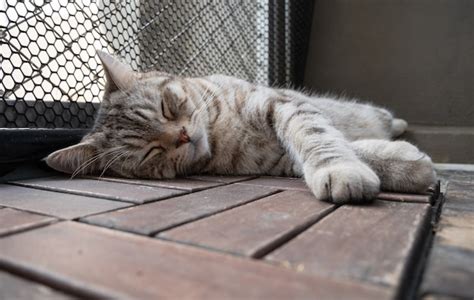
(148, 126)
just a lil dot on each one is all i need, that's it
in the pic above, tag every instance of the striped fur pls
(340, 147)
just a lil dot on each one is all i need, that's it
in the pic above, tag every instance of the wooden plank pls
(457, 218)
(60, 205)
(12, 220)
(114, 264)
(14, 287)
(455, 175)
(283, 183)
(456, 229)
(367, 243)
(177, 183)
(400, 197)
(450, 267)
(255, 228)
(438, 297)
(450, 173)
(221, 179)
(291, 183)
(154, 217)
(459, 237)
(449, 271)
(460, 195)
(101, 189)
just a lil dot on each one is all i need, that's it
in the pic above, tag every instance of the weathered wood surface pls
(367, 243)
(60, 205)
(284, 183)
(190, 185)
(255, 228)
(455, 175)
(456, 229)
(154, 217)
(439, 297)
(114, 264)
(16, 288)
(450, 267)
(290, 245)
(460, 195)
(12, 220)
(404, 197)
(450, 271)
(299, 184)
(222, 179)
(101, 189)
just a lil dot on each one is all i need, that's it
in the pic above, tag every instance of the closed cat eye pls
(167, 113)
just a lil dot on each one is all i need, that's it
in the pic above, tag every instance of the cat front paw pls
(348, 182)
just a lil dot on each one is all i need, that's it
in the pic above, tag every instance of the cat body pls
(156, 125)
(256, 118)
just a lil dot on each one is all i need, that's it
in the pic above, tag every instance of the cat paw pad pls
(343, 183)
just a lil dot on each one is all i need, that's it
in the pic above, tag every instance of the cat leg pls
(400, 166)
(331, 168)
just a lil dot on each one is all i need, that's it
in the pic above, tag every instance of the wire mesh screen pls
(52, 78)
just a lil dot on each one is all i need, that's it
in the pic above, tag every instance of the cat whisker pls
(90, 161)
(202, 103)
(85, 164)
(207, 101)
(180, 166)
(112, 160)
(110, 163)
(123, 164)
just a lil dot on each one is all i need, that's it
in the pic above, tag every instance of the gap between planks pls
(132, 227)
(268, 248)
(54, 281)
(77, 280)
(412, 273)
(213, 213)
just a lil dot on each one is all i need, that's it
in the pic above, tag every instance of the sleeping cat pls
(156, 125)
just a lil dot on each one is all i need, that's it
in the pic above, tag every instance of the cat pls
(156, 125)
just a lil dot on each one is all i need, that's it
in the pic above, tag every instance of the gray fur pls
(341, 147)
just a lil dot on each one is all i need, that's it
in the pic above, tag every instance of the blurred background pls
(415, 58)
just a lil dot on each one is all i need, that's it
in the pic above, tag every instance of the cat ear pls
(119, 75)
(77, 158)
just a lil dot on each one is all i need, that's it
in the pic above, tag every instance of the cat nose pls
(183, 137)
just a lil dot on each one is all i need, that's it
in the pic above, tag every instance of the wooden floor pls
(208, 237)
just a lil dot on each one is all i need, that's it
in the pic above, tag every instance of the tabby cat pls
(157, 125)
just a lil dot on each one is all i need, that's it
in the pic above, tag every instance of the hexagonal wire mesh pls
(51, 76)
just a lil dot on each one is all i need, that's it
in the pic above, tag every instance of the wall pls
(414, 57)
